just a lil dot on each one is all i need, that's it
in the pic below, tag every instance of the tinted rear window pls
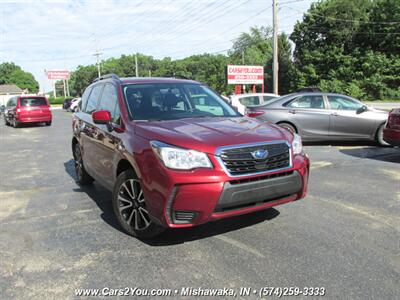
(33, 101)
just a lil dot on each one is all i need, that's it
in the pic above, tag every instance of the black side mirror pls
(361, 109)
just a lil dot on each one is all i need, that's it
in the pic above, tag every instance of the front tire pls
(288, 127)
(379, 136)
(6, 122)
(130, 207)
(82, 177)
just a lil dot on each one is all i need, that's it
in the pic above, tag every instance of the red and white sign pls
(58, 74)
(245, 74)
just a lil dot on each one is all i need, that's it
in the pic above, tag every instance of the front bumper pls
(236, 195)
(391, 136)
(192, 198)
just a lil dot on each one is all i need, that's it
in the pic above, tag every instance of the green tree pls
(349, 47)
(81, 78)
(13, 74)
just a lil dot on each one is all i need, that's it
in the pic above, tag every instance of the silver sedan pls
(324, 116)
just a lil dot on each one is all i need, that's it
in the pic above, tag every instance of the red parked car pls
(175, 154)
(27, 109)
(391, 132)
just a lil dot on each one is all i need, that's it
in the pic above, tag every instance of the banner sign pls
(245, 74)
(57, 74)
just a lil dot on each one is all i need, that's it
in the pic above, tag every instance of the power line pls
(233, 27)
(201, 20)
(187, 28)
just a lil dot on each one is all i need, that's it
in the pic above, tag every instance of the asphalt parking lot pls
(56, 237)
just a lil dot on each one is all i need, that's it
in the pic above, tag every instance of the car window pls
(268, 98)
(36, 101)
(85, 97)
(168, 101)
(12, 102)
(109, 101)
(206, 103)
(93, 99)
(250, 100)
(342, 103)
(312, 102)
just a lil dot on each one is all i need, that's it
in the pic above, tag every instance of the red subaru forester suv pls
(175, 154)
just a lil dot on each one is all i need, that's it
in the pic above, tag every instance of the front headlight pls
(180, 159)
(297, 144)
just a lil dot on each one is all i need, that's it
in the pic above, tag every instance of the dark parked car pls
(67, 103)
(27, 109)
(173, 160)
(391, 132)
(324, 116)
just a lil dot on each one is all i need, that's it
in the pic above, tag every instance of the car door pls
(88, 132)
(106, 141)
(345, 121)
(310, 115)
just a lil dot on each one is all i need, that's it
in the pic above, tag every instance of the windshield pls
(38, 101)
(169, 101)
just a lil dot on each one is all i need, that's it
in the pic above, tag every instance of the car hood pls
(207, 134)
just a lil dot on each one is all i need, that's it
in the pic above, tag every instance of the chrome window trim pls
(217, 155)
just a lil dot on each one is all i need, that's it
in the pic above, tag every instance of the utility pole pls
(136, 66)
(275, 65)
(65, 89)
(97, 54)
(68, 93)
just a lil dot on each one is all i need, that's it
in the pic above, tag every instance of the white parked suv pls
(242, 101)
(75, 104)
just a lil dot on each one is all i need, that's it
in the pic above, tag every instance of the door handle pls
(292, 111)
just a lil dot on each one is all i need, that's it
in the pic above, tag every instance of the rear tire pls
(15, 124)
(130, 207)
(82, 177)
(48, 123)
(288, 127)
(379, 136)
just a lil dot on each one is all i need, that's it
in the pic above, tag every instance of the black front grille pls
(184, 217)
(240, 161)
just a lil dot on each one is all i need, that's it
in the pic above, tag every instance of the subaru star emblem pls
(260, 154)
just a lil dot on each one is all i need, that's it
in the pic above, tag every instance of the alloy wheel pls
(78, 162)
(132, 206)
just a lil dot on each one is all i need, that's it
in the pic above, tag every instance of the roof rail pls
(106, 76)
(179, 76)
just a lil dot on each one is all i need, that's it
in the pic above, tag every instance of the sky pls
(62, 34)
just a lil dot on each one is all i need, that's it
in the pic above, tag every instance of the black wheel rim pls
(78, 162)
(132, 205)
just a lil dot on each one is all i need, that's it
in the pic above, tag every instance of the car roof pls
(254, 94)
(143, 80)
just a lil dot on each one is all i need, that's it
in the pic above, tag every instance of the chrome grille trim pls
(219, 150)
